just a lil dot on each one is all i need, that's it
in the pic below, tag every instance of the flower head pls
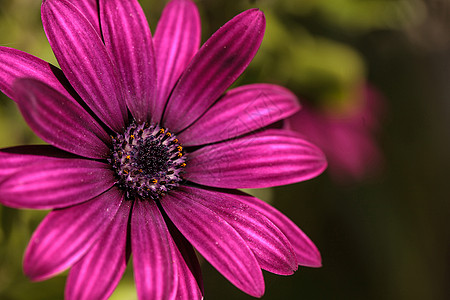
(145, 149)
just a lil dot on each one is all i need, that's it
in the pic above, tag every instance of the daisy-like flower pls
(146, 150)
(348, 139)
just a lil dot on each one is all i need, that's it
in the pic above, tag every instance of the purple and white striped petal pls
(155, 273)
(269, 245)
(270, 158)
(66, 234)
(177, 39)
(218, 63)
(128, 39)
(41, 182)
(240, 111)
(96, 275)
(15, 64)
(60, 120)
(305, 250)
(85, 61)
(216, 240)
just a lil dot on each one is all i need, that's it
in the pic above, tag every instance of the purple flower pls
(146, 151)
(348, 139)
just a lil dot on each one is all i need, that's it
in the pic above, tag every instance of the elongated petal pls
(270, 158)
(240, 111)
(177, 39)
(15, 64)
(60, 121)
(129, 42)
(65, 235)
(90, 10)
(216, 240)
(187, 284)
(269, 245)
(218, 63)
(13, 159)
(305, 250)
(85, 61)
(190, 258)
(96, 275)
(48, 182)
(155, 273)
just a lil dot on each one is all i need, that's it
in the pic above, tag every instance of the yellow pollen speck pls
(183, 165)
(155, 181)
(125, 171)
(132, 136)
(161, 130)
(179, 148)
(180, 154)
(140, 171)
(175, 141)
(128, 157)
(168, 134)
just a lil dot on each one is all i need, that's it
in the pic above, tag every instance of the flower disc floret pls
(148, 161)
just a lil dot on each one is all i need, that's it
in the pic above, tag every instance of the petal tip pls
(31, 271)
(317, 264)
(259, 14)
(324, 163)
(254, 15)
(317, 261)
(259, 292)
(314, 259)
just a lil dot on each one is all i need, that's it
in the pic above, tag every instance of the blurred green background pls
(385, 236)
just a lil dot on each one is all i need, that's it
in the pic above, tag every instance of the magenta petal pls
(176, 41)
(216, 240)
(218, 63)
(65, 235)
(190, 259)
(15, 64)
(90, 10)
(241, 110)
(270, 158)
(155, 273)
(96, 275)
(13, 159)
(187, 285)
(41, 182)
(85, 61)
(60, 120)
(129, 42)
(305, 250)
(269, 245)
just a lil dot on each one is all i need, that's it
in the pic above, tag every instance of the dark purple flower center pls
(148, 161)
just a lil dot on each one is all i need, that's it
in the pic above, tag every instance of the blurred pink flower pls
(348, 139)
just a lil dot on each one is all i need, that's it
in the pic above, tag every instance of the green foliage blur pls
(385, 237)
